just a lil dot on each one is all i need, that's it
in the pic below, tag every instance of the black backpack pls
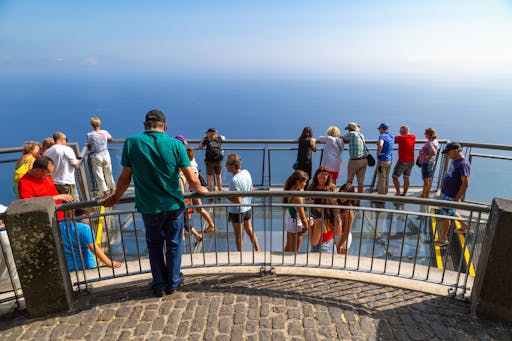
(214, 150)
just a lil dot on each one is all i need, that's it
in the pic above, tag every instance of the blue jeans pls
(165, 226)
(326, 247)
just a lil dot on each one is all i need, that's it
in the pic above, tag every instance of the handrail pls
(377, 225)
(308, 194)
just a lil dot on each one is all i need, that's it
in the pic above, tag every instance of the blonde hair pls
(95, 122)
(48, 142)
(333, 131)
(29, 146)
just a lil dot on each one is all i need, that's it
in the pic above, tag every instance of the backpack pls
(214, 150)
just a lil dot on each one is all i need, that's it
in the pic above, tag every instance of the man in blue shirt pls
(455, 184)
(78, 242)
(154, 159)
(384, 155)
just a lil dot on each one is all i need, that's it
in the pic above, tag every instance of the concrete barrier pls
(39, 255)
(491, 296)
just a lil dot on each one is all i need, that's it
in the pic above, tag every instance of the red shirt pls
(32, 187)
(405, 147)
(326, 236)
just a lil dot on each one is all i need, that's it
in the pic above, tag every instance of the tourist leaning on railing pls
(295, 220)
(343, 240)
(427, 159)
(327, 223)
(31, 151)
(306, 145)
(38, 182)
(78, 241)
(331, 157)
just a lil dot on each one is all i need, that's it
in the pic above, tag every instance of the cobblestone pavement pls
(241, 307)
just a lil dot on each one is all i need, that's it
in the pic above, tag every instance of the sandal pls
(441, 244)
(462, 230)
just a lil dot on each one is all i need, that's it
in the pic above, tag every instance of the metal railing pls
(11, 296)
(394, 239)
(125, 239)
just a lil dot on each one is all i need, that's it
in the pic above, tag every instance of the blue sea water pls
(253, 107)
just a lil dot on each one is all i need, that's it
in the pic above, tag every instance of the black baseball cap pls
(452, 146)
(155, 116)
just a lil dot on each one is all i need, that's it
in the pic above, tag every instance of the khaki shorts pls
(403, 168)
(213, 167)
(68, 189)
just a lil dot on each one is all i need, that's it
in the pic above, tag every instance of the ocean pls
(243, 107)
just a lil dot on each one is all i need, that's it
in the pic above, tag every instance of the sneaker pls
(159, 293)
(441, 244)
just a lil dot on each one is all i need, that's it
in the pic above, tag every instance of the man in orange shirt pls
(406, 142)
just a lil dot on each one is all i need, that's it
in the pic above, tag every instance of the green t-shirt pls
(155, 159)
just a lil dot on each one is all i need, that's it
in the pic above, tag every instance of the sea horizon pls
(255, 106)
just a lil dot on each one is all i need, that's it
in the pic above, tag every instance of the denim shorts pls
(427, 170)
(446, 210)
(324, 247)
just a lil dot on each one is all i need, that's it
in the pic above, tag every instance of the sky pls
(434, 37)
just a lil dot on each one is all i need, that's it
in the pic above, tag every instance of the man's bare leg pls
(248, 229)
(397, 185)
(238, 235)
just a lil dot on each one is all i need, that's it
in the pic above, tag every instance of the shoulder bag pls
(369, 157)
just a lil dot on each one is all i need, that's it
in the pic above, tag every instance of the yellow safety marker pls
(100, 226)
(462, 241)
(437, 249)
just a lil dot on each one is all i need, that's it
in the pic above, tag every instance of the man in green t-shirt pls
(154, 160)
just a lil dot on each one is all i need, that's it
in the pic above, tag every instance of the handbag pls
(295, 165)
(418, 162)
(370, 158)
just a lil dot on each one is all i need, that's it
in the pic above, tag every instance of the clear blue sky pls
(260, 37)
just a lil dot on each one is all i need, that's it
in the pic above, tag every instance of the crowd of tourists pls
(163, 168)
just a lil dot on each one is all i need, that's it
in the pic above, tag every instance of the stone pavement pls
(251, 307)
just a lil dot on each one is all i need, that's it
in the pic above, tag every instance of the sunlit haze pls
(258, 37)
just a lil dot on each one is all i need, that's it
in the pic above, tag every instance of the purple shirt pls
(453, 178)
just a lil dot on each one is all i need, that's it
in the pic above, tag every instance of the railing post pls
(39, 255)
(491, 295)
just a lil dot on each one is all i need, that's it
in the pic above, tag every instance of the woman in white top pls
(331, 157)
(204, 213)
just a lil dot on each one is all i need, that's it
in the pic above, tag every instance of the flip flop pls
(441, 244)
